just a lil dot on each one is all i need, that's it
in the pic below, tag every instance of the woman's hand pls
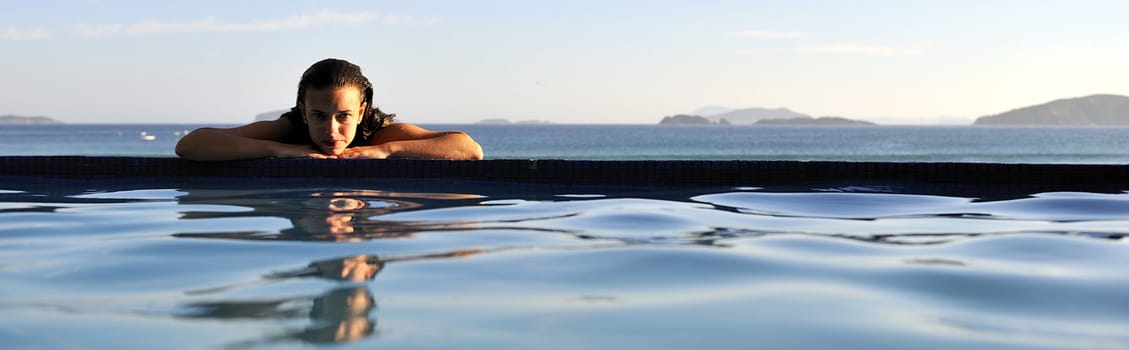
(368, 152)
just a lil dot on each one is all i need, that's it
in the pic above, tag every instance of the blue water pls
(218, 263)
(881, 143)
(141, 263)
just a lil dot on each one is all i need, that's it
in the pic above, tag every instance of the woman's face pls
(332, 115)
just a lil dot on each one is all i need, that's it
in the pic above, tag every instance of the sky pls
(577, 61)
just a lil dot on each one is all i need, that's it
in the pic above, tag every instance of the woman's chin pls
(331, 151)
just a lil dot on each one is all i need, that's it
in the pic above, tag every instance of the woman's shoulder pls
(292, 127)
(282, 129)
(401, 127)
(399, 131)
(293, 117)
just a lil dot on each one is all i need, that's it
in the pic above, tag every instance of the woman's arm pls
(403, 140)
(255, 140)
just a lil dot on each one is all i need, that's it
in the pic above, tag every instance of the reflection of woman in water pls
(361, 268)
(334, 117)
(344, 216)
(358, 268)
(337, 316)
(340, 315)
(335, 216)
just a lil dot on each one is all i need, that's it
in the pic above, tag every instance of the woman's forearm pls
(449, 145)
(209, 144)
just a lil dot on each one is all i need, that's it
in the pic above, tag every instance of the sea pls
(1041, 144)
(137, 262)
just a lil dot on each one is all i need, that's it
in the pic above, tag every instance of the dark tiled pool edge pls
(588, 172)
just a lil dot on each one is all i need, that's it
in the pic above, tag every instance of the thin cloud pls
(764, 34)
(211, 24)
(14, 33)
(873, 50)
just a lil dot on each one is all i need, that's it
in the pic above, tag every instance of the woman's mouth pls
(332, 145)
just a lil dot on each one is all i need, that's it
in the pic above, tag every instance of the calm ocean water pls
(883, 143)
(219, 263)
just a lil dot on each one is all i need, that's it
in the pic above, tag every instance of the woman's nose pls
(335, 126)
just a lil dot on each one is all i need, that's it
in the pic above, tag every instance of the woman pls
(333, 118)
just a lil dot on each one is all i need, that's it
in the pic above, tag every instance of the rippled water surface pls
(230, 263)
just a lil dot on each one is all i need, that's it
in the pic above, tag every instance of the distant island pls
(749, 116)
(758, 116)
(1089, 110)
(686, 119)
(813, 121)
(1100, 109)
(21, 120)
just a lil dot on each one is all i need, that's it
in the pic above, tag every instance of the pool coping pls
(557, 171)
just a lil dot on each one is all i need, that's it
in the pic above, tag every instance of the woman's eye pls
(344, 117)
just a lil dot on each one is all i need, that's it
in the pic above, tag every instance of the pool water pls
(299, 263)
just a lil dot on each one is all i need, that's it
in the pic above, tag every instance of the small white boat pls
(145, 136)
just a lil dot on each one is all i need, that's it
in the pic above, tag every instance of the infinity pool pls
(212, 262)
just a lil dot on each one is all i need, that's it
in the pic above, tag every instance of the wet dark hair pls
(335, 73)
